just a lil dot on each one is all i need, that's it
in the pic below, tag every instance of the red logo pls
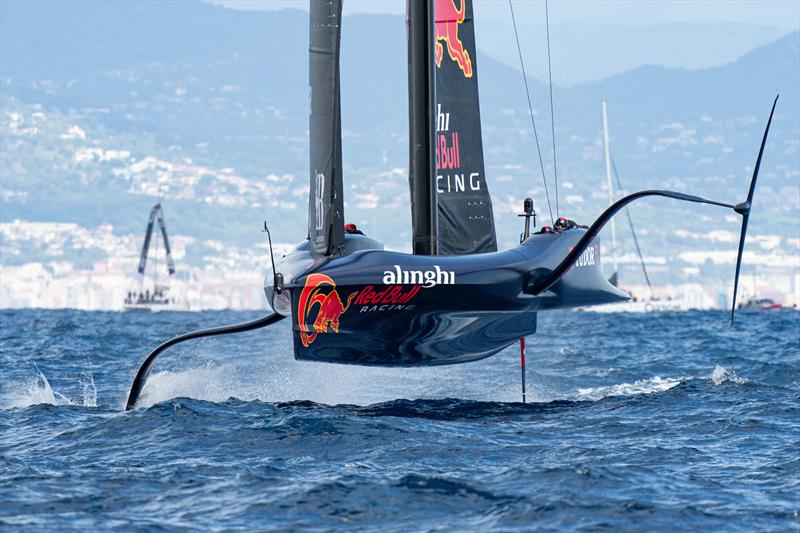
(330, 307)
(391, 295)
(448, 19)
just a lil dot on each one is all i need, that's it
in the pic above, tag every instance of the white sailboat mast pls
(610, 184)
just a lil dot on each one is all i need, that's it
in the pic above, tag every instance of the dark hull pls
(343, 311)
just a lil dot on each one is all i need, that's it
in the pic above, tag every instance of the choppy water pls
(653, 422)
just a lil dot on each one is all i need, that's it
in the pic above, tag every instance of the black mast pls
(421, 128)
(326, 203)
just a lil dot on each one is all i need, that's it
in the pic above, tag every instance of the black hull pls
(343, 311)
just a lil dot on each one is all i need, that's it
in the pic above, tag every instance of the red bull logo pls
(448, 19)
(320, 292)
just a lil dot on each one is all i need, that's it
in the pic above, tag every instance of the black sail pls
(465, 218)
(326, 203)
(450, 202)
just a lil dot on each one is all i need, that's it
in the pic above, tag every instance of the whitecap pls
(38, 391)
(722, 375)
(642, 386)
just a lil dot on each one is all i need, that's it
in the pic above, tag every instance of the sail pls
(326, 203)
(465, 219)
(451, 207)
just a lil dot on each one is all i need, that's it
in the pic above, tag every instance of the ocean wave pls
(641, 386)
(722, 375)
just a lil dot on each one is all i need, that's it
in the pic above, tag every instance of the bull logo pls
(447, 21)
(329, 304)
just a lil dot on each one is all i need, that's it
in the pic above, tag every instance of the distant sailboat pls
(635, 305)
(154, 296)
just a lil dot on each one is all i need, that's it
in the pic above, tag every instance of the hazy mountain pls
(213, 102)
(192, 74)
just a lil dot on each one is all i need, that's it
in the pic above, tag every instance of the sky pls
(783, 13)
(593, 40)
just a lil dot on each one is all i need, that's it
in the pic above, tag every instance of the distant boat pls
(754, 303)
(759, 304)
(154, 296)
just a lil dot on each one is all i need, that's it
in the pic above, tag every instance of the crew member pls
(352, 229)
(564, 224)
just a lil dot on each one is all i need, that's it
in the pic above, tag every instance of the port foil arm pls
(147, 364)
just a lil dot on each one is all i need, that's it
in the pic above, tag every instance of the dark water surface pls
(649, 422)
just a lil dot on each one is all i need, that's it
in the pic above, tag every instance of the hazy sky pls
(595, 39)
(785, 13)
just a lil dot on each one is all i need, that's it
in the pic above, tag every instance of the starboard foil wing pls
(326, 203)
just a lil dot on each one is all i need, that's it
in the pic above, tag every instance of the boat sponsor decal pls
(448, 159)
(589, 258)
(319, 200)
(393, 298)
(426, 278)
(320, 294)
(448, 18)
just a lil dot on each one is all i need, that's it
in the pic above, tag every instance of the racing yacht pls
(456, 298)
(154, 295)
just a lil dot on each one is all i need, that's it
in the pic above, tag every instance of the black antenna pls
(277, 279)
(529, 213)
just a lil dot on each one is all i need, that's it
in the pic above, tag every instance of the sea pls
(651, 422)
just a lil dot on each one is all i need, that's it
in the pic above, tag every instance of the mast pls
(633, 234)
(610, 185)
(421, 94)
(326, 200)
